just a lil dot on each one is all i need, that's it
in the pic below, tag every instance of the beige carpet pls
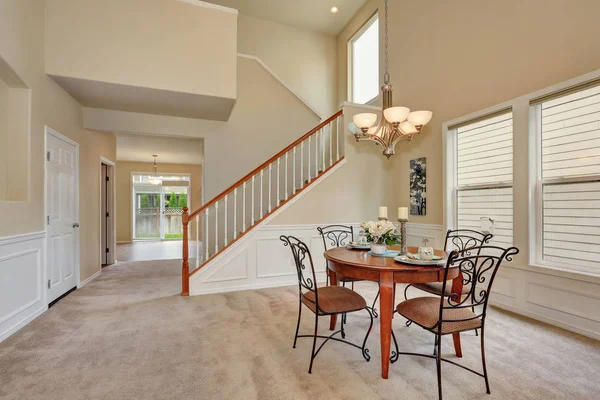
(129, 335)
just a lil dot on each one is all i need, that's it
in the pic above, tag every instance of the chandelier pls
(397, 123)
(155, 180)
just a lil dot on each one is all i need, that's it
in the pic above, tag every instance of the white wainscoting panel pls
(268, 263)
(22, 294)
(572, 304)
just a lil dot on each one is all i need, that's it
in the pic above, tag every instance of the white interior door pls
(61, 208)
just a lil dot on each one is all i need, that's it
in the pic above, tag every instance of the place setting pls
(381, 239)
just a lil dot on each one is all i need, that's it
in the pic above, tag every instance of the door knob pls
(76, 225)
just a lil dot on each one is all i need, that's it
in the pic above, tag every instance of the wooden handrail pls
(265, 164)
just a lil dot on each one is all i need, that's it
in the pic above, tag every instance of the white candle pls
(382, 212)
(402, 212)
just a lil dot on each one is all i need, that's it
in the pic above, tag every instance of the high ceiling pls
(170, 150)
(313, 15)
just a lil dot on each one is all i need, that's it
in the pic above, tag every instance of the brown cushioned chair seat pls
(425, 311)
(334, 300)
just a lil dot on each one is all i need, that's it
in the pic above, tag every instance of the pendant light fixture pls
(155, 180)
(395, 123)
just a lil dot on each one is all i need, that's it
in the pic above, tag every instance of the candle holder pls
(382, 218)
(403, 250)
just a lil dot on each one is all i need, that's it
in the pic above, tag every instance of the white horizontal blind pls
(571, 135)
(485, 151)
(484, 155)
(496, 204)
(571, 224)
(570, 139)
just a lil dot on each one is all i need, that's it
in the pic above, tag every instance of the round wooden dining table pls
(387, 272)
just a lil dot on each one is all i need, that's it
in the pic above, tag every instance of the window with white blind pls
(569, 180)
(484, 174)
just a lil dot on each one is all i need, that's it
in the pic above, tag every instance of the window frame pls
(451, 140)
(370, 21)
(525, 158)
(537, 233)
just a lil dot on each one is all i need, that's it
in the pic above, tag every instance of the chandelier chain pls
(386, 76)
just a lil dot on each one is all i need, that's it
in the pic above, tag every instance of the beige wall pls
(92, 146)
(473, 55)
(4, 93)
(267, 117)
(22, 47)
(306, 61)
(163, 44)
(124, 190)
(350, 194)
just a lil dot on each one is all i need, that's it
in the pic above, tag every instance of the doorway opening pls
(108, 241)
(158, 208)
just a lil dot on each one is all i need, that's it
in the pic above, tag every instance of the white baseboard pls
(22, 323)
(543, 318)
(88, 280)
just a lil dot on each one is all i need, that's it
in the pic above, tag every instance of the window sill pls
(558, 272)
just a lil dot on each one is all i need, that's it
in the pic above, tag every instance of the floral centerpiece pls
(380, 234)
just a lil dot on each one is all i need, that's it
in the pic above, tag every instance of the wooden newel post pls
(185, 267)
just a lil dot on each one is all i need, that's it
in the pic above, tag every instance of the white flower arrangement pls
(380, 232)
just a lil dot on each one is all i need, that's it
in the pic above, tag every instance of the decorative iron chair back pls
(462, 239)
(479, 266)
(307, 279)
(336, 235)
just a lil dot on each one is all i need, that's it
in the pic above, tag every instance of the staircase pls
(262, 193)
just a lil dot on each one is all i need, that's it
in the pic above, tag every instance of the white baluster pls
(302, 164)
(261, 193)
(322, 146)
(252, 214)
(286, 176)
(206, 234)
(216, 227)
(309, 159)
(225, 224)
(337, 139)
(294, 169)
(317, 154)
(269, 192)
(244, 207)
(234, 213)
(330, 144)
(198, 252)
(278, 192)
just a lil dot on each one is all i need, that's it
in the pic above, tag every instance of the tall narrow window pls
(484, 174)
(363, 63)
(569, 180)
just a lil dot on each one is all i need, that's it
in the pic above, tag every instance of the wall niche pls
(15, 110)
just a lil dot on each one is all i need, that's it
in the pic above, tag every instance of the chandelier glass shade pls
(395, 123)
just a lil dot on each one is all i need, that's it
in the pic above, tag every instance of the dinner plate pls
(358, 246)
(406, 260)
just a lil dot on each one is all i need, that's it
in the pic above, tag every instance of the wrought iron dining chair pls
(323, 301)
(451, 314)
(340, 236)
(459, 240)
